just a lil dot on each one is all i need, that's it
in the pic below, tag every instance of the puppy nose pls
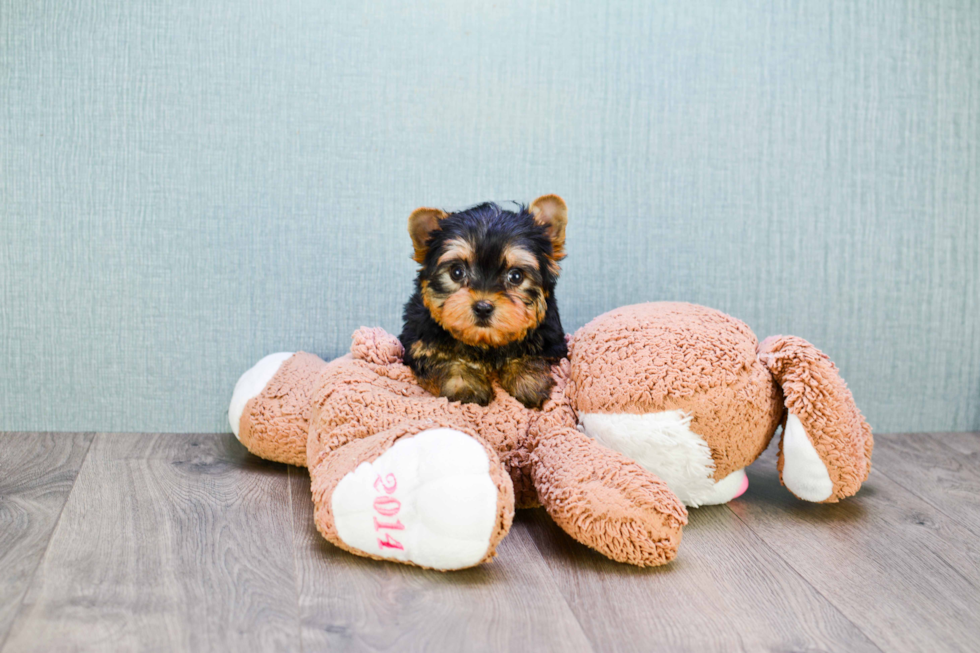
(483, 309)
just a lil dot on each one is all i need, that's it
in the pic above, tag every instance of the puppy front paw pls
(528, 380)
(451, 377)
(457, 381)
(467, 388)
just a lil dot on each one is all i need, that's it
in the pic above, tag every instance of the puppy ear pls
(550, 212)
(421, 224)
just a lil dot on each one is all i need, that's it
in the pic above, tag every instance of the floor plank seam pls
(47, 545)
(564, 600)
(558, 592)
(803, 578)
(296, 577)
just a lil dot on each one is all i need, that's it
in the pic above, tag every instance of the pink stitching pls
(387, 506)
(390, 542)
(397, 526)
(391, 479)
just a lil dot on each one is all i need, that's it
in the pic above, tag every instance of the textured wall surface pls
(186, 186)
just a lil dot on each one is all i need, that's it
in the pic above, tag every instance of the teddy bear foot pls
(429, 500)
(270, 407)
(664, 444)
(731, 487)
(251, 383)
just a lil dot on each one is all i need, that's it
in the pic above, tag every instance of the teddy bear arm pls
(605, 500)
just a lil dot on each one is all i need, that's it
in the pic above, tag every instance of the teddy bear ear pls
(421, 224)
(550, 212)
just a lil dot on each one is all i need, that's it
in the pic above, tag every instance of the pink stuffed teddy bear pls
(658, 406)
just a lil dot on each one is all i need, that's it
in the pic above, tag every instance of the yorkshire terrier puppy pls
(484, 301)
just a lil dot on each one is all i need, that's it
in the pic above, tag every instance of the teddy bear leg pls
(605, 500)
(417, 494)
(664, 444)
(270, 407)
(825, 451)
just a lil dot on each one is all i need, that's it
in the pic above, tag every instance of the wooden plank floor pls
(188, 543)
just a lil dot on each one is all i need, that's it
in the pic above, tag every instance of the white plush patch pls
(803, 472)
(662, 443)
(726, 489)
(429, 499)
(252, 383)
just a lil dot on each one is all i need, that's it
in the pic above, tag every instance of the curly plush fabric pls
(695, 373)
(680, 357)
(603, 498)
(818, 396)
(359, 405)
(275, 424)
(359, 398)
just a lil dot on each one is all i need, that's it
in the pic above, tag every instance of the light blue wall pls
(186, 186)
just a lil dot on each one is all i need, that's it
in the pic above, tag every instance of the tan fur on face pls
(457, 249)
(515, 312)
(518, 310)
(512, 317)
(518, 257)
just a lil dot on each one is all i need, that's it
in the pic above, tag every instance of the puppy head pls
(487, 273)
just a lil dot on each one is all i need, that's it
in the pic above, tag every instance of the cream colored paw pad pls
(429, 500)
(804, 473)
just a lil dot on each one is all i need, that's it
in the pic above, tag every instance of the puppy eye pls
(515, 277)
(456, 273)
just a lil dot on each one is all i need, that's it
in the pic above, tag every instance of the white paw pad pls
(429, 500)
(251, 383)
(803, 472)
